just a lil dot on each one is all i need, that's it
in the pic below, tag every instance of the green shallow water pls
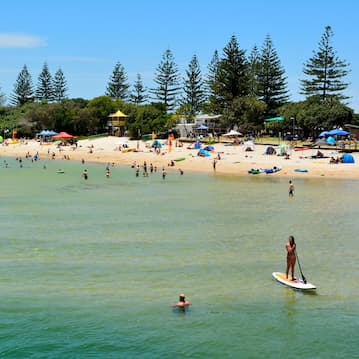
(88, 269)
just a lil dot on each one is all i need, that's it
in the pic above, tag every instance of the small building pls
(210, 122)
(117, 124)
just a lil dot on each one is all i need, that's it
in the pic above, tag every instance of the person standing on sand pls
(214, 165)
(291, 257)
(291, 189)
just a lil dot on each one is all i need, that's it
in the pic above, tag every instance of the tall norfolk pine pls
(23, 89)
(117, 87)
(167, 80)
(231, 79)
(325, 71)
(271, 82)
(59, 86)
(44, 90)
(194, 92)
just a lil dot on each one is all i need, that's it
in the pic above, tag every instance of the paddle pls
(300, 268)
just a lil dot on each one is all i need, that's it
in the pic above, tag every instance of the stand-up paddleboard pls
(296, 283)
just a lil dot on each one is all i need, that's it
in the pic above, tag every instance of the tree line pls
(244, 89)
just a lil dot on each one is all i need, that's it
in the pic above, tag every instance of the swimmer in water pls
(182, 302)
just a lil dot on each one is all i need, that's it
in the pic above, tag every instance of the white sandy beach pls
(234, 159)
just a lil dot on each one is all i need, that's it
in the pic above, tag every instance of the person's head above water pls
(182, 297)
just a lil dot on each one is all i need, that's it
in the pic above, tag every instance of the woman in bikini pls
(291, 257)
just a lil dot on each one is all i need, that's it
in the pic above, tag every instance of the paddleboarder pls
(291, 257)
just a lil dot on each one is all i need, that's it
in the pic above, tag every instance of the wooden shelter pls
(117, 124)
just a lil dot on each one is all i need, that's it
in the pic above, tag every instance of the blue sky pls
(87, 38)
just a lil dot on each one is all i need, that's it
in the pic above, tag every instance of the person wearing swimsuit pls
(291, 257)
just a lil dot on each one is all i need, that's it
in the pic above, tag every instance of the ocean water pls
(89, 269)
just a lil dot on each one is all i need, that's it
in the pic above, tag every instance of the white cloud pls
(21, 40)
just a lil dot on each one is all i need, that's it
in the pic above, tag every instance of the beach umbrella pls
(233, 133)
(323, 134)
(338, 132)
(62, 135)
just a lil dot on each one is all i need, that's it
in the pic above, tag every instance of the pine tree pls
(211, 78)
(23, 89)
(138, 95)
(117, 87)
(2, 98)
(325, 71)
(59, 86)
(254, 66)
(231, 78)
(167, 80)
(272, 84)
(194, 94)
(44, 90)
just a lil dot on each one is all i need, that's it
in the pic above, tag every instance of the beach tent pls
(282, 150)
(233, 133)
(348, 158)
(202, 127)
(270, 151)
(62, 135)
(248, 146)
(209, 148)
(331, 140)
(45, 133)
(203, 153)
(156, 144)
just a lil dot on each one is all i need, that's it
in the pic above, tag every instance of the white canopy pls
(233, 133)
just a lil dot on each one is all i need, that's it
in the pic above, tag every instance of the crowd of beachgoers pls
(230, 157)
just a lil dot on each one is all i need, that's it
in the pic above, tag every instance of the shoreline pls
(234, 160)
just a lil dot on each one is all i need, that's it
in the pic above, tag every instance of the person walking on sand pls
(291, 189)
(291, 257)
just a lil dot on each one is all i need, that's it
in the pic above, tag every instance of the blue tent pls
(330, 140)
(348, 158)
(209, 148)
(203, 152)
